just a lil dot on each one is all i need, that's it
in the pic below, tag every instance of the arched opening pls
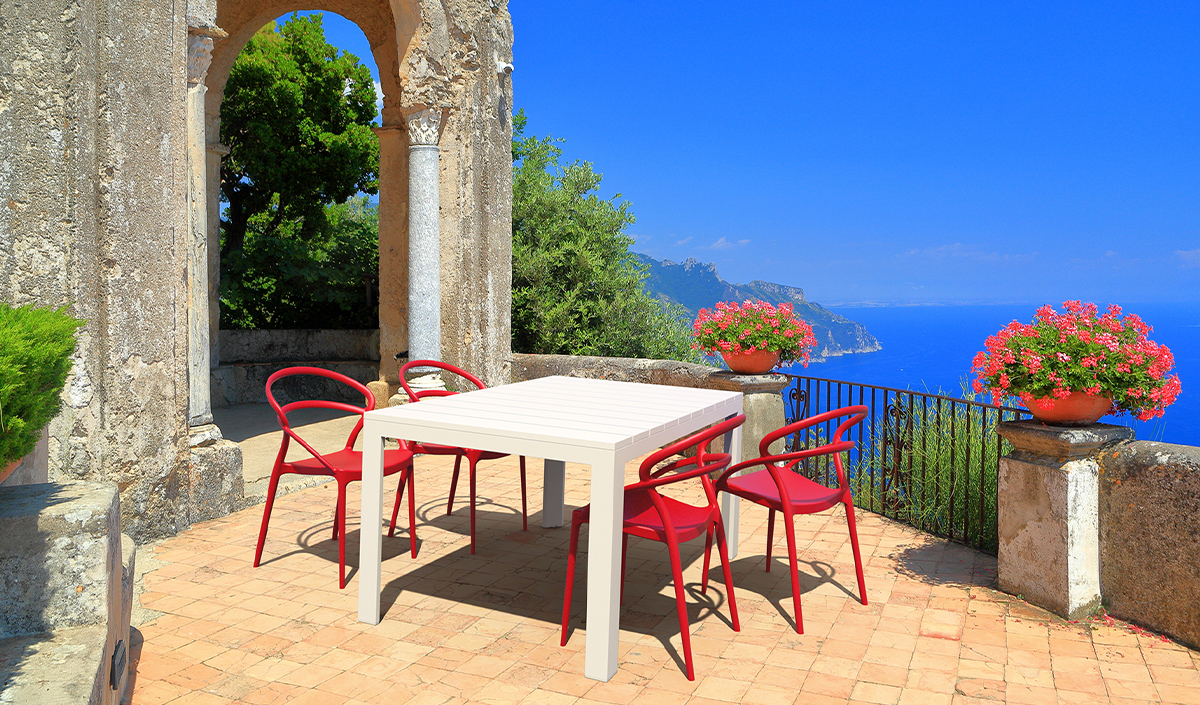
(387, 35)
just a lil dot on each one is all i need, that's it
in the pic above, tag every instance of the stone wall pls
(249, 357)
(92, 154)
(104, 176)
(1150, 536)
(254, 346)
(67, 593)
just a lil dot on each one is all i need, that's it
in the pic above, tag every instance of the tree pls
(328, 280)
(577, 289)
(297, 118)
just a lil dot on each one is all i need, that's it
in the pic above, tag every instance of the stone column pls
(214, 476)
(424, 260)
(1048, 514)
(216, 152)
(393, 256)
(200, 45)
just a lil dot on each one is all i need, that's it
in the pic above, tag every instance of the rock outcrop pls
(696, 285)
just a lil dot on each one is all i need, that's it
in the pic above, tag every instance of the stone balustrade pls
(1090, 518)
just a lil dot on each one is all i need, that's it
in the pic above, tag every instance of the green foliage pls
(35, 356)
(297, 118)
(944, 479)
(329, 280)
(925, 461)
(576, 286)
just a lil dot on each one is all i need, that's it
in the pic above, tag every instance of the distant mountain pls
(696, 285)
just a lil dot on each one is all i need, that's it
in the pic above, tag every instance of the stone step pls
(67, 591)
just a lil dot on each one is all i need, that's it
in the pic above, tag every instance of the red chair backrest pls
(417, 396)
(704, 461)
(786, 461)
(281, 412)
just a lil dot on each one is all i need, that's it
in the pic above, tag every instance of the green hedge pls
(35, 357)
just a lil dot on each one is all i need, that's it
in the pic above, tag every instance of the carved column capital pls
(199, 57)
(200, 46)
(424, 126)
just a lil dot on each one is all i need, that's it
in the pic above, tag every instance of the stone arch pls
(389, 28)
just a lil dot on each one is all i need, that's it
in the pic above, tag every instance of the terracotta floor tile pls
(484, 628)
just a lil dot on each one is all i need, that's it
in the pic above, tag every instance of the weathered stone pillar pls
(214, 478)
(393, 256)
(424, 248)
(200, 44)
(215, 152)
(1047, 514)
(762, 403)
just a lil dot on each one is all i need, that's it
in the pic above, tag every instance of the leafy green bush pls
(576, 287)
(35, 357)
(329, 279)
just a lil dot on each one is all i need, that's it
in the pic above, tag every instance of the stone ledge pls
(67, 666)
(1034, 439)
(57, 555)
(1150, 536)
(627, 369)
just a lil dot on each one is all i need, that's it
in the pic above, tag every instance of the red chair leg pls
(262, 530)
(681, 608)
(790, 528)
(396, 506)
(770, 535)
(862, 587)
(341, 514)
(524, 509)
(708, 536)
(566, 617)
(453, 484)
(723, 550)
(336, 517)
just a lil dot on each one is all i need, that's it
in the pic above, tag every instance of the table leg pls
(730, 503)
(554, 483)
(604, 568)
(370, 535)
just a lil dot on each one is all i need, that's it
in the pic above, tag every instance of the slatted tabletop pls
(561, 412)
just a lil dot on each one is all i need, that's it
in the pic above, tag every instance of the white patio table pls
(600, 423)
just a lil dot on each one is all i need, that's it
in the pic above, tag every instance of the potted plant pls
(753, 337)
(1072, 368)
(35, 356)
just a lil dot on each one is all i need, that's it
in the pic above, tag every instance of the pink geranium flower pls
(1079, 351)
(754, 325)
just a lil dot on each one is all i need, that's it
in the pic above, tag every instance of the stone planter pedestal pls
(1047, 512)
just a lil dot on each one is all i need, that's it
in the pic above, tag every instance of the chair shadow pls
(944, 563)
(811, 575)
(650, 611)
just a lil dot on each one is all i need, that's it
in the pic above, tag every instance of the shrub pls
(35, 356)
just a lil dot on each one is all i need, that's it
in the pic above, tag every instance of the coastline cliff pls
(696, 285)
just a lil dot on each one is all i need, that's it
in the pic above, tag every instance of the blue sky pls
(914, 153)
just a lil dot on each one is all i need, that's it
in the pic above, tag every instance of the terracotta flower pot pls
(8, 470)
(1078, 409)
(754, 362)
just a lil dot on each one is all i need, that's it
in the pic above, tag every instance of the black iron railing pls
(924, 459)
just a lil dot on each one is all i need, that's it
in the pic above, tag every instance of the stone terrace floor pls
(484, 628)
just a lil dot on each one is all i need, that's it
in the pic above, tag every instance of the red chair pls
(650, 515)
(473, 456)
(780, 489)
(344, 466)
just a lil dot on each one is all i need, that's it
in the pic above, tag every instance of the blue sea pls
(929, 348)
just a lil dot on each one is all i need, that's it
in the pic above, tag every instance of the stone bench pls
(66, 583)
